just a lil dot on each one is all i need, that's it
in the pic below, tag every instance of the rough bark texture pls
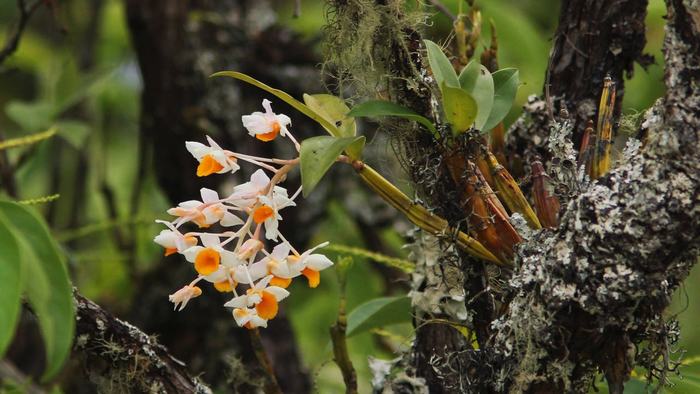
(121, 358)
(594, 38)
(584, 296)
(598, 285)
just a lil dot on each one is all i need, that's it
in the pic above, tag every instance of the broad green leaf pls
(460, 108)
(505, 84)
(375, 108)
(477, 81)
(335, 111)
(379, 312)
(45, 282)
(318, 154)
(441, 66)
(10, 277)
(31, 116)
(284, 96)
(74, 132)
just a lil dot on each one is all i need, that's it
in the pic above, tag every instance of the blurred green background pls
(97, 112)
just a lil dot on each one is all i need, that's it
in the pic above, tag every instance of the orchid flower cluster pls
(251, 214)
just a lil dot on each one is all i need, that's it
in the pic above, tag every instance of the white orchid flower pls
(248, 318)
(212, 159)
(183, 296)
(267, 212)
(266, 126)
(277, 265)
(310, 264)
(206, 212)
(264, 298)
(174, 242)
(208, 258)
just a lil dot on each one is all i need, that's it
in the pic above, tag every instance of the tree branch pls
(125, 357)
(12, 42)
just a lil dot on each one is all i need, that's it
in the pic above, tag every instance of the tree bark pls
(585, 295)
(118, 355)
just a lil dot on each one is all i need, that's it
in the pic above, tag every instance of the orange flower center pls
(223, 286)
(208, 166)
(314, 277)
(169, 251)
(280, 282)
(207, 261)
(267, 307)
(271, 135)
(262, 213)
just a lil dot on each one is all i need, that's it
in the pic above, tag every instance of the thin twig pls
(442, 8)
(13, 39)
(271, 386)
(297, 8)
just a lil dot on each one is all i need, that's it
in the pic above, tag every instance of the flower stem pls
(271, 385)
(420, 216)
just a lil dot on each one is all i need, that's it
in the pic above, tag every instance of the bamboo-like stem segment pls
(601, 161)
(420, 216)
(510, 192)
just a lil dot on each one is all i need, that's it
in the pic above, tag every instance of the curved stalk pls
(420, 216)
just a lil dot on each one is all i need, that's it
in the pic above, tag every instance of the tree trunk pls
(583, 296)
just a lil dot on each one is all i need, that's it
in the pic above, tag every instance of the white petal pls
(271, 226)
(257, 321)
(217, 276)
(190, 204)
(213, 143)
(237, 302)
(230, 219)
(278, 292)
(197, 150)
(281, 251)
(191, 253)
(242, 319)
(318, 262)
(210, 240)
(259, 179)
(166, 239)
(256, 123)
(263, 282)
(208, 195)
(229, 259)
(258, 270)
(254, 299)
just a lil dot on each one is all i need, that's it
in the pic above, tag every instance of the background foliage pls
(82, 77)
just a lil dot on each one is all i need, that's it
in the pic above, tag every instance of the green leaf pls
(505, 83)
(375, 108)
(10, 277)
(284, 96)
(460, 108)
(477, 81)
(30, 116)
(441, 66)
(335, 111)
(74, 132)
(379, 312)
(45, 282)
(318, 154)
